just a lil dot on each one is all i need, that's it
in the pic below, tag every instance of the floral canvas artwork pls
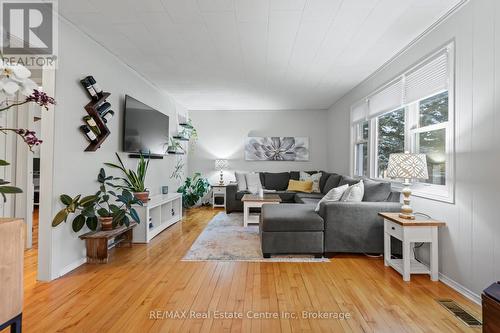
(275, 148)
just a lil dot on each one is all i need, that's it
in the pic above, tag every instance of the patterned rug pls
(225, 239)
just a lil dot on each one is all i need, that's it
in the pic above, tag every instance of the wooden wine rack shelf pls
(91, 109)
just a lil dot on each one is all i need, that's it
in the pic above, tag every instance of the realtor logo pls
(29, 31)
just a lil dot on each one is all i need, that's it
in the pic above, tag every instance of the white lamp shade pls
(407, 166)
(221, 164)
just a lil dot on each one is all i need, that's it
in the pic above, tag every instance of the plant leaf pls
(4, 163)
(60, 217)
(78, 223)
(92, 223)
(66, 199)
(134, 215)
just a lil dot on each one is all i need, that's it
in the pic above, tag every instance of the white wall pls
(470, 244)
(222, 135)
(75, 171)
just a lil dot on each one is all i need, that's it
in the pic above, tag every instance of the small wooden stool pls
(97, 242)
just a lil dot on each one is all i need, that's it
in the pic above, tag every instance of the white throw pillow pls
(241, 180)
(354, 193)
(253, 182)
(333, 195)
(314, 178)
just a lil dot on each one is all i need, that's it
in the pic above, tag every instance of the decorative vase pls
(106, 223)
(143, 196)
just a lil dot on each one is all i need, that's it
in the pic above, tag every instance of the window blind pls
(387, 99)
(359, 111)
(428, 79)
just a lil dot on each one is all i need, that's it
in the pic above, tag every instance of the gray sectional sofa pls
(294, 227)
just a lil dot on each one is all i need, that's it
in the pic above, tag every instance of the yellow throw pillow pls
(300, 186)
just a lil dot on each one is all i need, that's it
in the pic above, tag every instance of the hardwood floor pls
(122, 296)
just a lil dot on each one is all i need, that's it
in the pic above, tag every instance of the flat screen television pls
(145, 129)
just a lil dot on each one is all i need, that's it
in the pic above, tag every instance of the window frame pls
(358, 140)
(444, 193)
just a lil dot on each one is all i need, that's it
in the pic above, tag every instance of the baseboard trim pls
(459, 288)
(65, 270)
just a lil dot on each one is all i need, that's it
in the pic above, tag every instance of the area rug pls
(225, 239)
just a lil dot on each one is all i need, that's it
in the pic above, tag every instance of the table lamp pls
(407, 166)
(220, 165)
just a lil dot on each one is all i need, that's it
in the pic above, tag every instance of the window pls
(431, 135)
(361, 149)
(391, 138)
(413, 112)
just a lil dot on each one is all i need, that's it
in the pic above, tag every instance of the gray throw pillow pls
(348, 180)
(277, 181)
(253, 182)
(376, 191)
(332, 182)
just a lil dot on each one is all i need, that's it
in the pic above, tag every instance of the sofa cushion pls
(241, 180)
(348, 180)
(376, 191)
(253, 182)
(295, 175)
(300, 186)
(323, 179)
(290, 217)
(286, 196)
(335, 194)
(332, 182)
(354, 193)
(276, 181)
(310, 201)
(262, 178)
(309, 195)
(315, 178)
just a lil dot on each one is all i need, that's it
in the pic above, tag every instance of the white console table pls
(158, 214)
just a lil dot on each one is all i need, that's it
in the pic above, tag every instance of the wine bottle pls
(95, 85)
(88, 133)
(108, 115)
(92, 125)
(103, 108)
(88, 86)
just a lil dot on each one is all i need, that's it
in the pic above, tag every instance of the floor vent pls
(459, 312)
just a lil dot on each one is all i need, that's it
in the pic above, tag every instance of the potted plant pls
(193, 190)
(175, 147)
(98, 207)
(134, 180)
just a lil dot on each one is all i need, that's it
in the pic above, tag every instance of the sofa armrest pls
(231, 190)
(355, 226)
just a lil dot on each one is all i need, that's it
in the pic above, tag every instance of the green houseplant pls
(193, 189)
(107, 207)
(134, 181)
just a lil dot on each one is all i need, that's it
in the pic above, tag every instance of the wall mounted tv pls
(145, 129)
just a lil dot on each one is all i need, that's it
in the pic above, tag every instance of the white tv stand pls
(158, 214)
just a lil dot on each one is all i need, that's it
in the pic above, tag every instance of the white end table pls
(219, 191)
(256, 201)
(410, 232)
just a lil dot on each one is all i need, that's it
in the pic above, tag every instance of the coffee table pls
(256, 201)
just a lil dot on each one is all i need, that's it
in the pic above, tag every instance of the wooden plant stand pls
(97, 245)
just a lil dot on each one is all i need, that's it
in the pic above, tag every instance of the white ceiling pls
(255, 54)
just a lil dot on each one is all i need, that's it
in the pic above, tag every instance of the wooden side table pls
(218, 191)
(256, 201)
(97, 245)
(408, 232)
